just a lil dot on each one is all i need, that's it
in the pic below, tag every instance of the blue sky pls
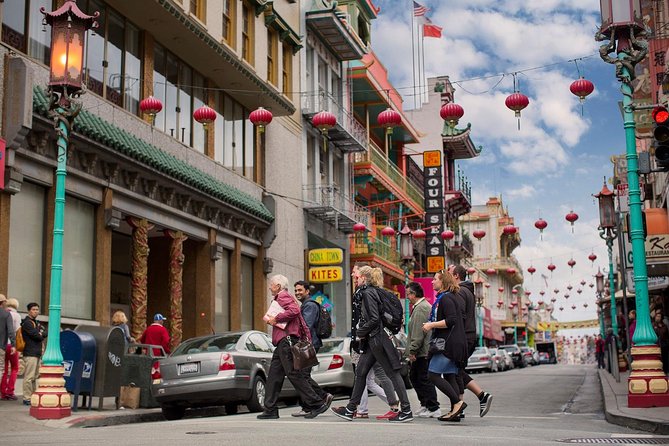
(558, 158)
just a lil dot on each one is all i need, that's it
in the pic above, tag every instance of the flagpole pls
(423, 79)
(413, 56)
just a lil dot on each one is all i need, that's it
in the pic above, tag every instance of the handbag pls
(304, 353)
(437, 345)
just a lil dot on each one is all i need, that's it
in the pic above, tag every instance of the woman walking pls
(448, 347)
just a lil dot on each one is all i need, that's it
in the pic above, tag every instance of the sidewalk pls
(654, 419)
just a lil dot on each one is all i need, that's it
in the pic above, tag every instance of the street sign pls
(325, 274)
(654, 282)
(326, 256)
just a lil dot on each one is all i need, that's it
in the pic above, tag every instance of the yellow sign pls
(432, 158)
(326, 256)
(435, 264)
(325, 274)
(554, 325)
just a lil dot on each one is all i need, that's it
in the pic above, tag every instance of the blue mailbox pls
(79, 352)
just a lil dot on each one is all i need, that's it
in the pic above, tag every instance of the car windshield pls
(332, 346)
(222, 343)
(493, 351)
(480, 350)
(511, 348)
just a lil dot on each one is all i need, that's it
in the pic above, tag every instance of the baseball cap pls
(159, 317)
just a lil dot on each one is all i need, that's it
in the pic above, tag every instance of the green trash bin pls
(136, 371)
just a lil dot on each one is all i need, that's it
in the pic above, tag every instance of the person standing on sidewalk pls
(34, 334)
(599, 351)
(418, 344)
(282, 358)
(466, 292)
(310, 310)
(375, 345)
(11, 368)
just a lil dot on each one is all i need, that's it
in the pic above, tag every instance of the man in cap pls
(156, 334)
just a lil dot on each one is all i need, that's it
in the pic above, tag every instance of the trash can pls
(137, 371)
(110, 343)
(78, 349)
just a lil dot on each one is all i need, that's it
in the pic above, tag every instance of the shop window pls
(246, 281)
(222, 293)
(22, 27)
(78, 259)
(26, 244)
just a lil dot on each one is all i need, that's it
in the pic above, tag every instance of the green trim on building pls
(103, 132)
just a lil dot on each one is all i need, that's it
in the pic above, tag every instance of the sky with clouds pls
(559, 157)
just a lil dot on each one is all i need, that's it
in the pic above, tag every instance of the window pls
(222, 293)
(228, 21)
(272, 50)
(247, 293)
(26, 243)
(256, 343)
(287, 71)
(234, 137)
(78, 259)
(22, 28)
(247, 33)
(198, 8)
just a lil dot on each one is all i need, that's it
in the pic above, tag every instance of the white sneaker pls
(431, 414)
(420, 411)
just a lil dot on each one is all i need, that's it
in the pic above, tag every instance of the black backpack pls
(391, 312)
(324, 323)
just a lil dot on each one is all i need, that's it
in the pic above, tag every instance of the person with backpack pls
(311, 312)
(372, 332)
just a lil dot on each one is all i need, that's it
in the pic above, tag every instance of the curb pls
(615, 416)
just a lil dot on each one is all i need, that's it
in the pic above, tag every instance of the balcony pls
(333, 29)
(457, 201)
(501, 264)
(327, 204)
(377, 253)
(388, 176)
(348, 135)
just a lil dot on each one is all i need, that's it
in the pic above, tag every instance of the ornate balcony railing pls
(328, 204)
(365, 245)
(348, 135)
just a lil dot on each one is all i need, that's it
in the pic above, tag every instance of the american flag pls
(419, 10)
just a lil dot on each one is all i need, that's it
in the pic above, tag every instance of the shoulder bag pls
(304, 353)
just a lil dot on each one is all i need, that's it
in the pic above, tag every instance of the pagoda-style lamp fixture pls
(608, 231)
(68, 36)
(406, 254)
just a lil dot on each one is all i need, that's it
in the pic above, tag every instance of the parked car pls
(481, 359)
(544, 358)
(515, 353)
(535, 356)
(498, 358)
(334, 371)
(506, 357)
(225, 369)
(528, 358)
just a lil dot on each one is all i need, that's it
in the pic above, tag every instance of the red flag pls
(432, 31)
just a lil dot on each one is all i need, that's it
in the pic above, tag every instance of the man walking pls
(33, 335)
(599, 351)
(417, 348)
(467, 294)
(311, 311)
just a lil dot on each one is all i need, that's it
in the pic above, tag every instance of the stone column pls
(140, 256)
(175, 281)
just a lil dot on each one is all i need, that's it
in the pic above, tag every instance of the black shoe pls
(343, 412)
(328, 399)
(485, 402)
(316, 412)
(454, 413)
(402, 417)
(453, 420)
(462, 416)
(268, 415)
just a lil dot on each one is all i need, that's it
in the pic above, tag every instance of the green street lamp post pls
(623, 27)
(608, 230)
(478, 294)
(599, 279)
(68, 34)
(406, 254)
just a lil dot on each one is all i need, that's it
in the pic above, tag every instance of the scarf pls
(435, 305)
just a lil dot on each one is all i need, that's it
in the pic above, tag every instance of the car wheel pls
(257, 401)
(231, 409)
(173, 412)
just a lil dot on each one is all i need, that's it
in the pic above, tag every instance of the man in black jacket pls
(33, 335)
(467, 294)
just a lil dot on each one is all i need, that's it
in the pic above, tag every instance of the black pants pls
(600, 360)
(377, 352)
(427, 394)
(446, 385)
(282, 367)
(464, 377)
(317, 389)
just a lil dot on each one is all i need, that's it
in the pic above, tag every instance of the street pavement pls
(533, 406)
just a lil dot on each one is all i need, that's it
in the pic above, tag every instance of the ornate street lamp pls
(599, 279)
(478, 294)
(622, 26)
(406, 254)
(608, 230)
(68, 35)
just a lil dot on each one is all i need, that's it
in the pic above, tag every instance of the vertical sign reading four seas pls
(434, 209)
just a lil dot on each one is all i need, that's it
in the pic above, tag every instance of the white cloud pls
(524, 191)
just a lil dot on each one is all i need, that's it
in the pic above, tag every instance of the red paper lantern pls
(491, 271)
(389, 118)
(511, 306)
(571, 263)
(359, 227)
(571, 218)
(500, 289)
(387, 231)
(447, 235)
(591, 285)
(500, 302)
(517, 102)
(151, 106)
(541, 224)
(478, 234)
(566, 295)
(528, 293)
(556, 291)
(205, 115)
(514, 291)
(471, 271)
(585, 305)
(579, 291)
(582, 282)
(592, 257)
(553, 299)
(542, 292)
(419, 234)
(531, 270)
(487, 285)
(324, 121)
(561, 308)
(569, 287)
(573, 307)
(582, 88)
(551, 267)
(509, 230)
(260, 118)
(451, 113)
(511, 271)
(540, 302)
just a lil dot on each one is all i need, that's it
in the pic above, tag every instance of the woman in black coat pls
(448, 347)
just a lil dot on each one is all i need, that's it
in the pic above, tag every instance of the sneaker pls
(431, 413)
(12, 397)
(26, 402)
(391, 413)
(401, 417)
(301, 413)
(420, 411)
(268, 415)
(360, 415)
(485, 402)
(316, 412)
(343, 412)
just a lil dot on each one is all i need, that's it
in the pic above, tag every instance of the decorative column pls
(175, 280)
(139, 273)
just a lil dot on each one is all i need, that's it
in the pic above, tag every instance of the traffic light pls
(661, 135)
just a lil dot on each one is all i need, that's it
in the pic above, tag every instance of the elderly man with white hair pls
(282, 359)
